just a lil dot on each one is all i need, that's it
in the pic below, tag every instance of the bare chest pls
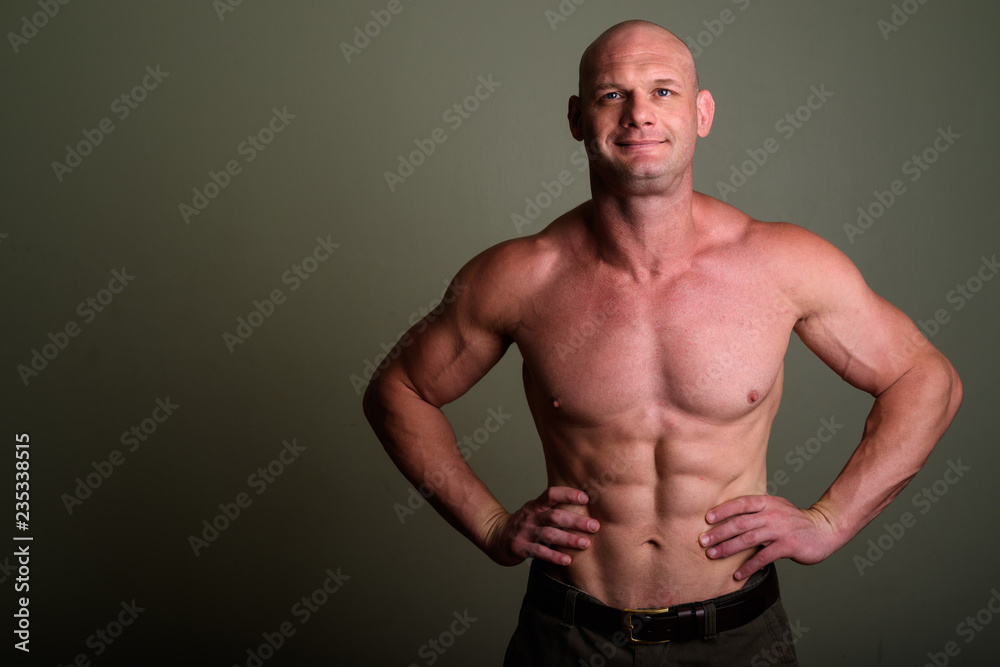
(708, 346)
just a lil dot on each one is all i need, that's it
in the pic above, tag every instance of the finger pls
(573, 520)
(731, 508)
(542, 552)
(730, 529)
(555, 537)
(557, 495)
(760, 560)
(741, 542)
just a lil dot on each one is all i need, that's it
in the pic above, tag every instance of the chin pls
(641, 174)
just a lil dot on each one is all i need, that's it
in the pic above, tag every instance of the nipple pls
(752, 396)
(555, 403)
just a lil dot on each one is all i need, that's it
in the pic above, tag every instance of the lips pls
(639, 143)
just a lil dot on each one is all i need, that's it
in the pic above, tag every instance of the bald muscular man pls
(653, 322)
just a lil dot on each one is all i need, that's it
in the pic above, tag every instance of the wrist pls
(832, 526)
(490, 526)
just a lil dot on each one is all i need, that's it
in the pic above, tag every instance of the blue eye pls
(663, 90)
(608, 95)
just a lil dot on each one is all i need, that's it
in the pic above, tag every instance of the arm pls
(875, 347)
(439, 359)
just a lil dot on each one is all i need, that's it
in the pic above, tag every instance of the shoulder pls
(809, 269)
(499, 281)
(785, 244)
(807, 262)
(782, 240)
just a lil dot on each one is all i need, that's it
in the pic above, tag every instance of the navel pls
(752, 396)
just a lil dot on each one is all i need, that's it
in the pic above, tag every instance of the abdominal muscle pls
(651, 499)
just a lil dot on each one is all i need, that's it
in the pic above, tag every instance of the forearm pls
(421, 442)
(904, 425)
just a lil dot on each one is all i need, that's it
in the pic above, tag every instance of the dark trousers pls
(546, 640)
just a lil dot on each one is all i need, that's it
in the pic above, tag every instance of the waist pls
(689, 620)
(639, 565)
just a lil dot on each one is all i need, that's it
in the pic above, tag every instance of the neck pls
(643, 232)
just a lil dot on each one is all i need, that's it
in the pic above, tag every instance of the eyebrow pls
(658, 82)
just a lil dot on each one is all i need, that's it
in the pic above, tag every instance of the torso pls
(656, 399)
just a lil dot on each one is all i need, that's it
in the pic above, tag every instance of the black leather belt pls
(656, 626)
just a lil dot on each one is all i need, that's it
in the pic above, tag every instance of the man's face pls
(639, 113)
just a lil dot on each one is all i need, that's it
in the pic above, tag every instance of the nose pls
(638, 113)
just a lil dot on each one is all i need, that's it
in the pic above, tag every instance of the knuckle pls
(550, 535)
(741, 542)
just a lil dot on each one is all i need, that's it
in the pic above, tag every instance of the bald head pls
(622, 37)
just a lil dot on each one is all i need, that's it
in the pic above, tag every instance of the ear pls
(575, 116)
(706, 112)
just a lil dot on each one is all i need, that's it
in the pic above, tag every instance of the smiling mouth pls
(639, 144)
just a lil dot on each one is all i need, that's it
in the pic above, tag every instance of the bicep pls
(868, 341)
(446, 355)
(443, 355)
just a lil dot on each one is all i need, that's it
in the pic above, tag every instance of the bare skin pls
(653, 323)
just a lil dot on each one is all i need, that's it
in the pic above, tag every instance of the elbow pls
(376, 404)
(947, 387)
(386, 392)
(372, 402)
(954, 391)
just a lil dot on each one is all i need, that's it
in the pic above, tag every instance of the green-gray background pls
(337, 506)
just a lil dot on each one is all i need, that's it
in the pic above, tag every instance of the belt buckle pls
(628, 627)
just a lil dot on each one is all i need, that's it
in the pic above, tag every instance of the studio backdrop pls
(218, 217)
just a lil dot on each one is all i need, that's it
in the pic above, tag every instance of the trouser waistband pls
(704, 619)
